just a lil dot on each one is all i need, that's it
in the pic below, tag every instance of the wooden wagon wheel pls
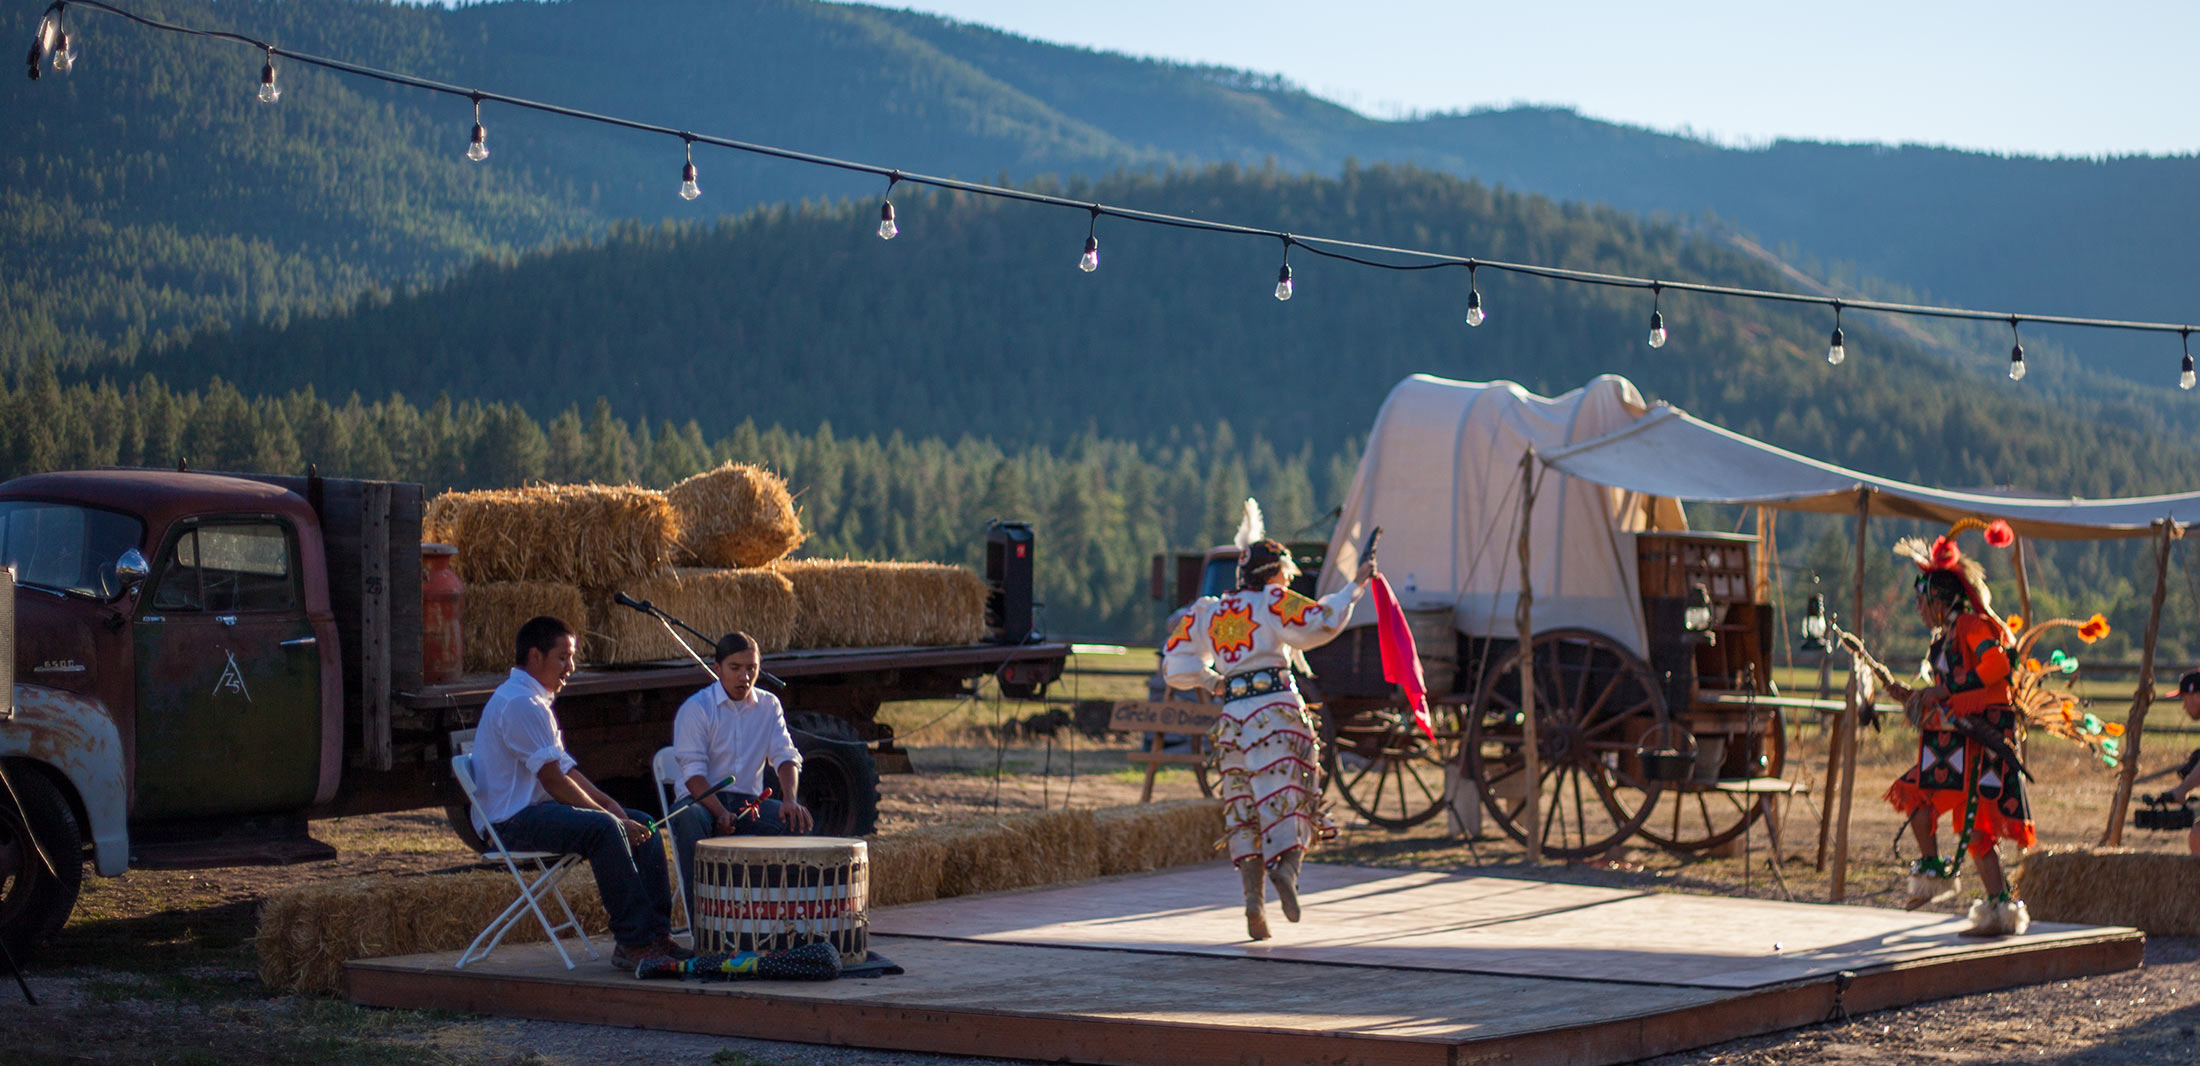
(1593, 698)
(1384, 767)
(1693, 817)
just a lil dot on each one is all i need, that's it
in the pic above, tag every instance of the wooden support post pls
(2024, 584)
(374, 625)
(1531, 758)
(1832, 788)
(2143, 696)
(1840, 887)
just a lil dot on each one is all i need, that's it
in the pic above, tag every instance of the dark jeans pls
(631, 880)
(695, 823)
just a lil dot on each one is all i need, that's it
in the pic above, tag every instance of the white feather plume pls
(1252, 527)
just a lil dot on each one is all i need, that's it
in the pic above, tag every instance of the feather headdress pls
(1251, 527)
(1943, 556)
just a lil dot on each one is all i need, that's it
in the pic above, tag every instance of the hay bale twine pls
(847, 603)
(736, 515)
(574, 534)
(493, 611)
(758, 602)
(2155, 891)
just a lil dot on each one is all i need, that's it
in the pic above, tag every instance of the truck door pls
(228, 674)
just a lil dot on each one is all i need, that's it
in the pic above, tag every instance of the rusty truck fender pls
(76, 738)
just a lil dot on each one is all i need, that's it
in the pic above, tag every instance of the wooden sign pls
(1167, 716)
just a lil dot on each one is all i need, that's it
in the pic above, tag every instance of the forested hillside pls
(148, 191)
(976, 321)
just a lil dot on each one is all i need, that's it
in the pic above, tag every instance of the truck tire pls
(839, 777)
(34, 904)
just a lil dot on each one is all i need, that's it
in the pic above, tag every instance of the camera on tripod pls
(2163, 814)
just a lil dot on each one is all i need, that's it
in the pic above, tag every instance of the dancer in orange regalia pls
(1963, 717)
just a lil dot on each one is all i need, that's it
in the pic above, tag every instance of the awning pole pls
(2024, 583)
(1531, 759)
(2143, 696)
(1848, 714)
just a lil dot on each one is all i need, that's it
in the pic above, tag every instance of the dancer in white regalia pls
(1242, 646)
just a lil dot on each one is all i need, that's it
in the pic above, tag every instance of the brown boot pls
(1285, 874)
(1256, 923)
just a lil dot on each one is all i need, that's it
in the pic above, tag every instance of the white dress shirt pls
(715, 736)
(517, 737)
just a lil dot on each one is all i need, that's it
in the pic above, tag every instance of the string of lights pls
(57, 49)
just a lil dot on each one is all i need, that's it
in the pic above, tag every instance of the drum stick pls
(656, 823)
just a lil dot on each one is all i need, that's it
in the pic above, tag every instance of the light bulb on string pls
(1657, 319)
(64, 53)
(886, 225)
(688, 189)
(42, 45)
(268, 92)
(1836, 351)
(2016, 353)
(1090, 261)
(1283, 276)
(2185, 378)
(1475, 317)
(477, 148)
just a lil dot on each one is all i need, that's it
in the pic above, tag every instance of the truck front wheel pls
(839, 777)
(34, 904)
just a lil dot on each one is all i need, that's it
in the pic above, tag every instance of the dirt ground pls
(157, 967)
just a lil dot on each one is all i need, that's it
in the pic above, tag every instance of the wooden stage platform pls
(1388, 967)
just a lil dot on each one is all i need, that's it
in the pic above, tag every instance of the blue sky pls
(2018, 76)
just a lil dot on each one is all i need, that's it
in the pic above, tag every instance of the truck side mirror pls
(131, 568)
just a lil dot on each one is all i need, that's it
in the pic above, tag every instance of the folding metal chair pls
(671, 783)
(537, 874)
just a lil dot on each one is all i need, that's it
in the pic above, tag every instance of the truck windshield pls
(65, 547)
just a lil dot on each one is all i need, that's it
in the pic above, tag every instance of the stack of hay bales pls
(494, 610)
(735, 516)
(307, 933)
(572, 534)
(2155, 891)
(758, 602)
(843, 603)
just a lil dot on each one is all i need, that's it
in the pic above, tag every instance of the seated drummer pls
(733, 728)
(2188, 690)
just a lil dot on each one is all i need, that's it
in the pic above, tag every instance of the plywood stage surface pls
(1387, 967)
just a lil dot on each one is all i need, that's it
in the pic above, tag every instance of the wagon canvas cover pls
(1441, 476)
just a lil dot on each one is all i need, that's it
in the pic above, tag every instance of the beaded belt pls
(1256, 683)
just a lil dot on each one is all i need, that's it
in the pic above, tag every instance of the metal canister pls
(442, 602)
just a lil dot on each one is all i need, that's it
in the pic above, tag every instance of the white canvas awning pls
(1668, 452)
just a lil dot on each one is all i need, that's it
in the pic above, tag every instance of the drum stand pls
(7, 957)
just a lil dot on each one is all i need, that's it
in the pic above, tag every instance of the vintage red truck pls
(206, 662)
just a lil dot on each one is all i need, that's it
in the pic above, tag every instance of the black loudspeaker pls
(1008, 599)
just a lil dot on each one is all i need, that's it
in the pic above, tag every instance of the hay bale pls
(905, 868)
(575, 534)
(1158, 835)
(736, 515)
(989, 855)
(758, 602)
(843, 603)
(307, 933)
(2155, 891)
(493, 611)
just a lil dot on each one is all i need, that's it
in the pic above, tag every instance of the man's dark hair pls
(2189, 683)
(733, 643)
(539, 633)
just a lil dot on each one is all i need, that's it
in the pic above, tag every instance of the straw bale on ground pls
(2155, 891)
(758, 602)
(307, 933)
(1156, 836)
(494, 610)
(843, 603)
(905, 868)
(576, 534)
(736, 515)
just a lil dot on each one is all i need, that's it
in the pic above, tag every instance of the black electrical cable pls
(1326, 247)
